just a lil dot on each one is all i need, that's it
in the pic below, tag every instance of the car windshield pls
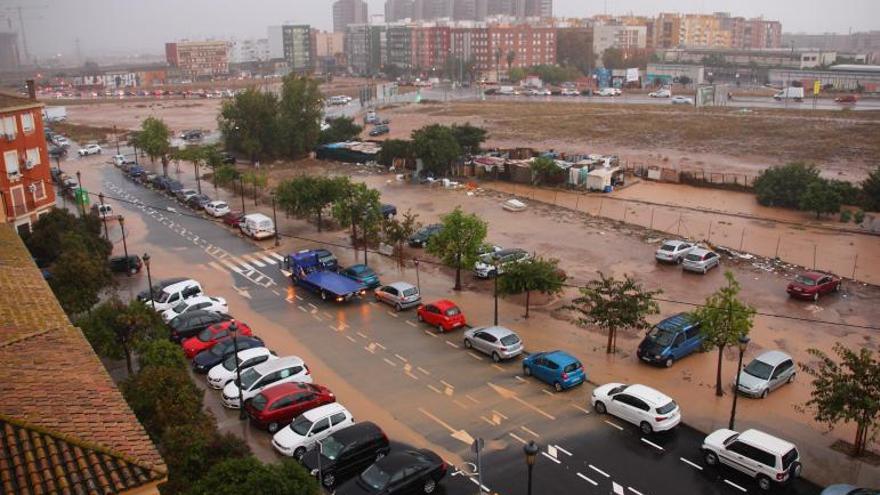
(219, 349)
(759, 369)
(572, 367)
(667, 247)
(229, 363)
(693, 257)
(510, 339)
(163, 297)
(410, 292)
(801, 279)
(180, 308)
(248, 377)
(375, 478)
(617, 390)
(331, 448)
(206, 335)
(660, 336)
(668, 408)
(259, 402)
(301, 426)
(453, 311)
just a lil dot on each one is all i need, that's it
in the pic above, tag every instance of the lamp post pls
(104, 216)
(196, 172)
(58, 162)
(531, 451)
(274, 219)
(241, 184)
(418, 282)
(116, 136)
(149, 277)
(124, 245)
(495, 291)
(742, 344)
(233, 330)
(82, 205)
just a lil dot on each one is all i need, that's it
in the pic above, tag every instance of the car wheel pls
(796, 469)
(397, 307)
(669, 362)
(527, 371)
(815, 296)
(678, 261)
(646, 428)
(133, 271)
(600, 408)
(440, 328)
(430, 485)
(557, 386)
(272, 427)
(764, 483)
(299, 453)
(764, 393)
(791, 378)
(467, 344)
(329, 480)
(323, 295)
(496, 358)
(419, 316)
(710, 458)
(837, 287)
(706, 269)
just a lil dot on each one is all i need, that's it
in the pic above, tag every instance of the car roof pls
(773, 358)
(402, 285)
(282, 389)
(218, 202)
(650, 395)
(276, 364)
(812, 275)
(676, 322)
(254, 352)
(357, 431)
(508, 251)
(325, 410)
(700, 251)
(674, 242)
(766, 441)
(181, 285)
(497, 331)
(359, 268)
(395, 461)
(443, 304)
(561, 357)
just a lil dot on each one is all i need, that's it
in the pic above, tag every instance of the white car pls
(217, 208)
(681, 100)
(488, 264)
(207, 303)
(673, 251)
(663, 93)
(640, 405)
(91, 149)
(570, 92)
(768, 459)
(310, 427)
(223, 373)
(61, 141)
(267, 374)
(609, 92)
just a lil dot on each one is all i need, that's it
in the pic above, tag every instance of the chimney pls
(32, 89)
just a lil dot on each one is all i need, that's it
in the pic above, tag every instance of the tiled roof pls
(53, 386)
(12, 100)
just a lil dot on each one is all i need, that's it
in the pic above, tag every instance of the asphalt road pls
(427, 382)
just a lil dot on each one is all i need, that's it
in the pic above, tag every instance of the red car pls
(846, 99)
(811, 285)
(210, 336)
(443, 314)
(233, 218)
(275, 407)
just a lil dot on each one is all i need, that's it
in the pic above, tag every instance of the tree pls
(724, 319)
(846, 391)
(160, 353)
(358, 205)
(395, 232)
(225, 174)
(615, 304)
(544, 169)
(511, 56)
(163, 397)
(395, 148)
(871, 191)
(249, 123)
(44, 240)
(213, 159)
(436, 146)
(301, 110)
(783, 186)
(820, 197)
(255, 178)
(612, 58)
(341, 129)
(308, 195)
(249, 475)
(115, 329)
(469, 137)
(154, 141)
(516, 74)
(536, 274)
(574, 48)
(458, 243)
(78, 274)
(554, 74)
(191, 449)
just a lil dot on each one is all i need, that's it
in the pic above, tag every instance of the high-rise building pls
(430, 47)
(426, 10)
(398, 10)
(249, 50)
(619, 36)
(466, 10)
(491, 47)
(667, 31)
(198, 59)
(9, 59)
(329, 50)
(366, 48)
(398, 46)
(293, 44)
(347, 12)
(534, 8)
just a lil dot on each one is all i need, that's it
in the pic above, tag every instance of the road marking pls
(482, 487)
(518, 439)
(390, 362)
(326, 315)
(499, 368)
(447, 384)
(380, 346)
(333, 328)
(471, 354)
(349, 337)
(498, 413)
(519, 378)
(315, 308)
(409, 374)
(548, 456)
(614, 425)
(214, 265)
(453, 344)
(735, 485)
(579, 408)
(269, 260)
(435, 389)
(398, 356)
(253, 260)
(361, 335)
(276, 256)
(552, 450)
(231, 266)
(581, 476)
(691, 463)
(652, 444)
(459, 403)
(635, 491)
(392, 313)
(523, 428)
(432, 334)
(484, 418)
(303, 309)
(276, 292)
(423, 370)
(562, 450)
(245, 265)
(509, 394)
(370, 348)
(547, 392)
(475, 401)
(410, 323)
(618, 490)
(603, 473)
(298, 297)
(316, 317)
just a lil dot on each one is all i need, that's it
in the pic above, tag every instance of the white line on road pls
(231, 266)
(548, 456)
(447, 384)
(276, 256)
(475, 401)
(563, 450)
(435, 389)
(298, 297)
(614, 425)
(691, 463)
(246, 266)
(313, 306)
(579, 408)
(587, 479)
(471, 354)
(547, 392)
(268, 260)
(390, 362)
(409, 374)
(523, 428)
(398, 356)
(453, 344)
(603, 473)
(518, 439)
(303, 309)
(332, 328)
(410, 323)
(326, 315)
(498, 413)
(432, 334)
(618, 490)
(735, 485)
(361, 335)
(349, 337)
(276, 292)
(520, 378)
(635, 491)
(380, 346)
(499, 368)
(392, 313)
(423, 370)
(652, 444)
(253, 260)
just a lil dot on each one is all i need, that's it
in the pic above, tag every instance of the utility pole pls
(27, 55)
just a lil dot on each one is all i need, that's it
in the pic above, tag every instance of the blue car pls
(670, 340)
(557, 368)
(363, 275)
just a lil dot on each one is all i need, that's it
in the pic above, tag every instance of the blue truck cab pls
(307, 270)
(670, 340)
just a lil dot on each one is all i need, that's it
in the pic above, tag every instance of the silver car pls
(700, 260)
(498, 342)
(401, 295)
(487, 265)
(766, 373)
(673, 251)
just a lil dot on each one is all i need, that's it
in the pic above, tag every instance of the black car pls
(192, 135)
(379, 130)
(144, 295)
(198, 202)
(160, 182)
(347, 453)
(420, 238)
(189, 324)
(57, 151)
(228, 158)
(411, 471)
(125, 264)
(55, 172)
(207, 359)
(388, 210)
(172, 186)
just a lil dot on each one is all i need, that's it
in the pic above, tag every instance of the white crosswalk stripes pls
(276, 256)
(254, 261)
(269, 260)
(258, 267)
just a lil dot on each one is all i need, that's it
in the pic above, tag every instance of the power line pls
(439, 264)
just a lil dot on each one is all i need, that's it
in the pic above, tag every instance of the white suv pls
(640, 405)
(269, 373)
(764, 457)
(311, 427)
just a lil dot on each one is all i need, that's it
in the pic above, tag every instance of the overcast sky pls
(143, 26)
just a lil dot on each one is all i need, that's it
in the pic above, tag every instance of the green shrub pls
(163, 397)
(783, 186)
(248, 475)
(161, 353)
(859, 217)
(845, 216)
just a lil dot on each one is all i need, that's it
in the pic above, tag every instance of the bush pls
(845, 216)
(783, 186)
(190, 451)
(859, 217)
(161, 353)
(394, 148)
(341, 129)
(248, 475)
(162, 398)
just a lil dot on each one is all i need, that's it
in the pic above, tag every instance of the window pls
(7, 126)
(640, 404)
(11, 160)
(337, 418)
(679, 339)
(27, 122)
(321, 426)
(282, 402)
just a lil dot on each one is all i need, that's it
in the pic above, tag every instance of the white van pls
(270, 373)
(309, 428)
(175, 293)
(257, 226)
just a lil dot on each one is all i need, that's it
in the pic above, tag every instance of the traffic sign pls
(81, 196)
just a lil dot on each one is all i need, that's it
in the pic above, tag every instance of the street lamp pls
(124, 245)
(196, 172)
(742, 344)
(116, 136)
(82, 205)
(531, 451)
(58, 162)
(241, 184)
(495, 278)
(104, 216)
(274, 218)
(418, 282)
(149, 277)
(233, 330)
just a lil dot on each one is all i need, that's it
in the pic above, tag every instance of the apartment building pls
(26, 191)
(619, 36)
(347, 12)
(398, 43)
(366, 48)
(293, 44)
(430, 47)
(249, 50)
(491, 46)
(198, 59)
(398, 10)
